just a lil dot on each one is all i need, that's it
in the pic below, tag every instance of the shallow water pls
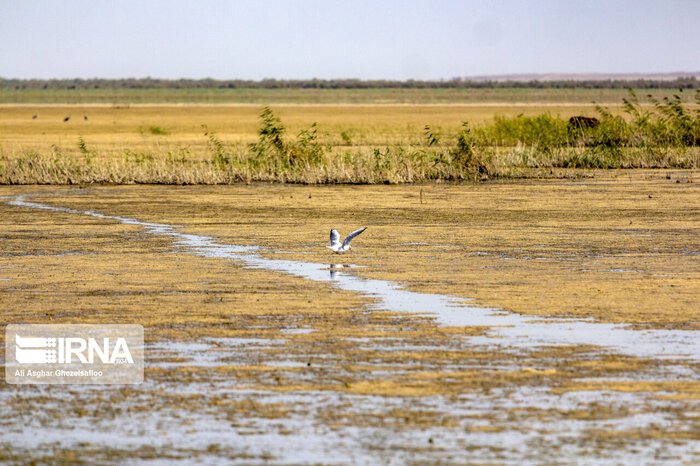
(292, 438)
(505, 329)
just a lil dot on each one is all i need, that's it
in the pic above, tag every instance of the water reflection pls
(510, 329)
(334, 267)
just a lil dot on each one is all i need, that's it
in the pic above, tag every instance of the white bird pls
(340, 248)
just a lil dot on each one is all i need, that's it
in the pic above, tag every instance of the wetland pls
(441, 337)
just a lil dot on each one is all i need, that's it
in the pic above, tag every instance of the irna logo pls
(52, 350)
(74, 354)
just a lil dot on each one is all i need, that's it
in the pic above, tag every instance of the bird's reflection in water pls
(334, 269)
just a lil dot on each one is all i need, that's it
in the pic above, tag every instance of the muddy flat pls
(518, 321)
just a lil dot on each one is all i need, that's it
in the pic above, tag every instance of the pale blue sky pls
(349, 39)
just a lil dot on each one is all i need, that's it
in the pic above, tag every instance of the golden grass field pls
(212, 144)
(115, 128)
(617, 247)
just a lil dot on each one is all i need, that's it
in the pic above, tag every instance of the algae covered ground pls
(249, 364)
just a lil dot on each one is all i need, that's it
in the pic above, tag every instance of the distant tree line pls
(456, 83)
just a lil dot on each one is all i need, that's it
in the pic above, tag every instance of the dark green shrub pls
(465, 154)
(543, 131)
(270, 135)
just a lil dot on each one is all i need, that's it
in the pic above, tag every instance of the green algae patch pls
(618, 248)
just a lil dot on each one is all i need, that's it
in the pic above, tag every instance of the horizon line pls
(514, 77)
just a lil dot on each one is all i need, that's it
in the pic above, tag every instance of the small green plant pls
(382, 160)
(307, 147)
(345, 136)
(594, 157)
(158, 130)
(82, 147)
(543, 131)
(219, 153)
(139, 158)
(180, 156)
(670, 124)
(87, 153)
(270, 135)
(632, 107)
(465, 154)
(431, 138)
(277, 153)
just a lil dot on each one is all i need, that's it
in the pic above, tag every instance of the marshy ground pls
(248, 364)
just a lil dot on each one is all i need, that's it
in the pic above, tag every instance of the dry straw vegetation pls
(643, 133)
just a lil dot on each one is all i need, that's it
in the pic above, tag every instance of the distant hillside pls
(553, 77)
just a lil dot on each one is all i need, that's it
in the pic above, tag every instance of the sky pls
(302, 39)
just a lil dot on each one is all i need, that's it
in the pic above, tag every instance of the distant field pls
(112, 128)
(167, 143)
(322, 96)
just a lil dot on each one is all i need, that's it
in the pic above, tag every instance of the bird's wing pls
(335, 237)
(352, 235)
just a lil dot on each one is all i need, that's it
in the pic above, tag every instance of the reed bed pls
(647, 133)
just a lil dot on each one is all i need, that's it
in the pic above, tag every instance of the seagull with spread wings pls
(340, 248)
